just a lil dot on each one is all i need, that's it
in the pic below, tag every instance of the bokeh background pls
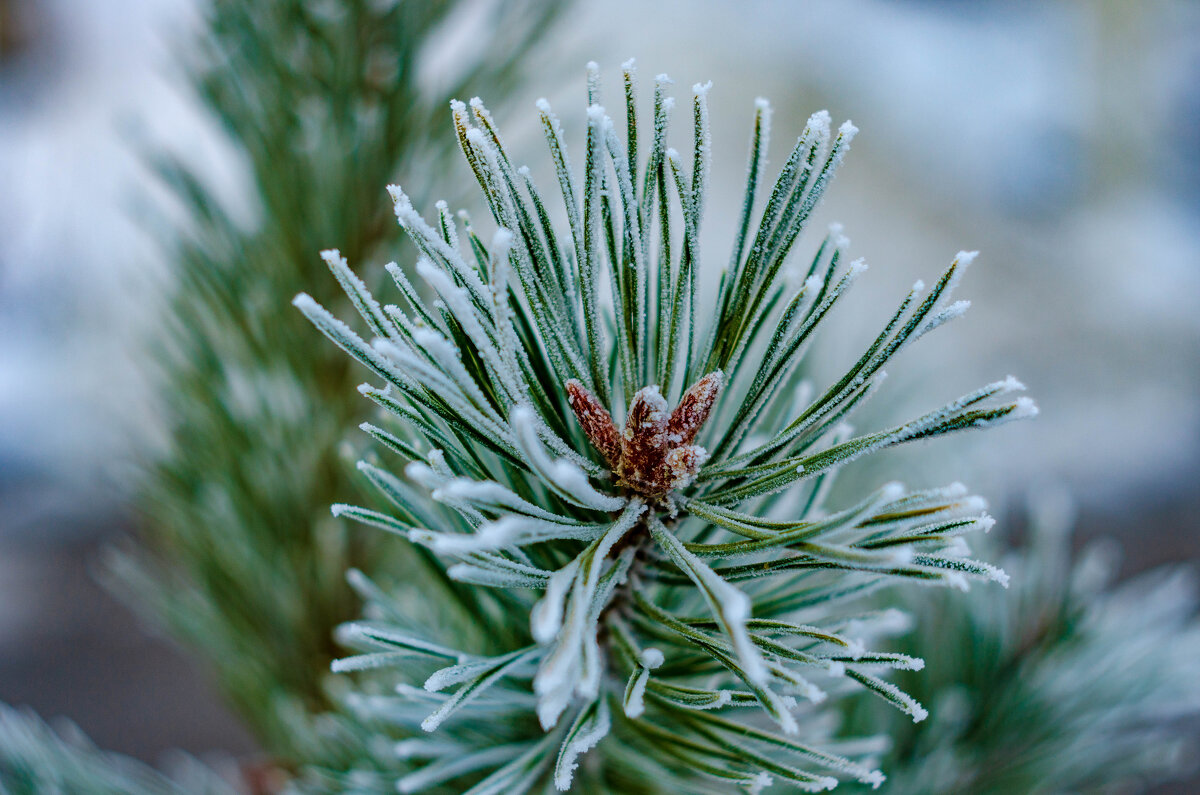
(1062, 139)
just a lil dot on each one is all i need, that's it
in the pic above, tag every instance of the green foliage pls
(322, 99)
(681, 608)
(1068, 685)
(36, 760)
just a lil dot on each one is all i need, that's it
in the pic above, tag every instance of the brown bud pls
(693, 409)
(597, 423)
(645, 441)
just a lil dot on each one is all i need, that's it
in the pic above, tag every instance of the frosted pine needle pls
(625, 483)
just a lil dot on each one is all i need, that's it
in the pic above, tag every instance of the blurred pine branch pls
(241, 563)
(1072, 683)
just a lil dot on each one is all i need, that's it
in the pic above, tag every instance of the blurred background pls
(1062, 139)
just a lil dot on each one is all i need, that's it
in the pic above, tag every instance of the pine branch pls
(1069, 685)
(652, 591)
(35, 760)
(237, 563)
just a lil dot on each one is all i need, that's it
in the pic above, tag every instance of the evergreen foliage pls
(322, 99)
(1069, 684)
(680, 607)
(664, 604)
(36, 760)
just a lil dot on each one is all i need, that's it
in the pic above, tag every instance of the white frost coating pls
(418, 748)
(454, 762)
(459, 305)
(818, 124)
(477, 575)
(840, 241)
(508, 531)
(649, 659)
(568, 480)
(973, 504)
(592, 66)
(986, 523)
(727, 602)
(635, 698)
(477, 138)
(347, 340)
(760, 782)
(455, 674)
(944, 316)
(858, 266)
(855, 648)
(543, 105)
(907, 702)
(402, 360)
(420, 473)
(364, 662)
(596, 114)
(654, 400)
(584, 740)
(835, 668)
(1025, 408)
(629, 65)
(446, 356)
(701, 89)
(891, 491)
(545, 619)
(563, 672)
(1011, 384)
(431, 242)
(488, 492)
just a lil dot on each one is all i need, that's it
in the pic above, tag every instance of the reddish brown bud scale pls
(693, 409)
(597, 423)
(645, 441)
(655, 453)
